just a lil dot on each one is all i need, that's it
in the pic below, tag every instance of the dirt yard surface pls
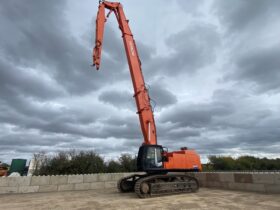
(111, 199)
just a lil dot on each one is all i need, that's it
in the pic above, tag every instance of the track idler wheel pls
(145, 188)
(125, 185)
(142, 189)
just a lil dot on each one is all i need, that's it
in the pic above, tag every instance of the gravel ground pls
(111, 199)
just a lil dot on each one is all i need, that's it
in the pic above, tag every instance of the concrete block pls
(243, 178)
(222, 185)
(104, 177)
(97, 185)
(23, 181)
(73, 179)
(212, 177)
(277, 179)
(236, 186)
(90, 178)
(225, 185)
(272, 188)
(252, 187)
(16, 181)
(202, 183)
(28, 189)
(59, 180)
(48, 188)
(66, 187)
(226, 177)
(40, 180)
(127, 174)
(3, 181)
(112, 184)
(82, 186)
(116, 176)
(263, 178)
(7, 190)
(200, 176)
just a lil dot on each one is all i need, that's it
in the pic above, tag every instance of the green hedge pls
(227, 163)
(81, 162)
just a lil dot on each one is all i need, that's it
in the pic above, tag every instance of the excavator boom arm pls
(99, 31)
(141, 94)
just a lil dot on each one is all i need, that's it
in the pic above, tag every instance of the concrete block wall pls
(32, 184)
(265, 182)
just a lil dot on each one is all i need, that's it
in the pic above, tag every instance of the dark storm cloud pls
(254, 136)
(145, 51)
(18, 81)
(114, 147)
(120, 99)
(33, 139)
(168, 133)
(48, 119)
(196, 115)
(248, 110)
(37, 36)
(253, 57)
(194, 47)
(241, 15)
(41, 62)
(161, 96)
(70, 135)
(190, 49)
(128, 129)
(231, 121)
(266, 133)
(261, 66)
(110, 127)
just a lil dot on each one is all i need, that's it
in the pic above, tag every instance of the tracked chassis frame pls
(147, 185)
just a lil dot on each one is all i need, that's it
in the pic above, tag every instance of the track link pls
(158, 185)
(126, 184)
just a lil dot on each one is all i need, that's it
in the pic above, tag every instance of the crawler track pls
(146, 186)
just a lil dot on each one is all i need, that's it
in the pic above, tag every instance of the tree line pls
(81, 162)
(87, 162)
(227, 163)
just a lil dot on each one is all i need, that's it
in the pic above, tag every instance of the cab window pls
(154, 157)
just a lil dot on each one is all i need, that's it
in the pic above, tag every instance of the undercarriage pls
(151, 185)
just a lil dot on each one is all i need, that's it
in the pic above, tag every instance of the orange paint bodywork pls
(182, 159)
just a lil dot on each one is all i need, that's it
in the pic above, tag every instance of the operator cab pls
(150, 158)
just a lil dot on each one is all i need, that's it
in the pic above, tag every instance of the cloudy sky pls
(212, 67)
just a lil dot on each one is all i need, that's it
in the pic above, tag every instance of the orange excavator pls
(163, 169)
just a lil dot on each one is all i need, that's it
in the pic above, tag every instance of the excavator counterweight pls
(159, 164)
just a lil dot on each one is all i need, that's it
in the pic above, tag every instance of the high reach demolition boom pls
(161, 166)
(141, 94)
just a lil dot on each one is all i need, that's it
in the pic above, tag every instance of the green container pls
(18, 165)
